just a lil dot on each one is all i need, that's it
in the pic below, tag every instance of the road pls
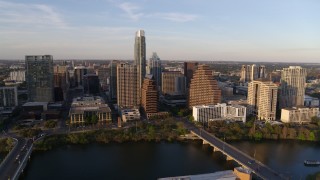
(14, 159)
(258, 168)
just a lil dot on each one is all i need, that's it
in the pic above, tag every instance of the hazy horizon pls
(187, 30)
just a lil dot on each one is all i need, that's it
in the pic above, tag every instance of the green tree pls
(312, 136)
(257, 136)
(190, 118)
(181, 129)
(301, 136)
(87, 120)
(151, 132)
(315, 120)
(50, 124)
(269, 127)
(94, 119)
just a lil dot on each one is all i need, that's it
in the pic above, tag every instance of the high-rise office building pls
(140, 57)
(18, 75)
(173, 83)
(262, 99)
(252, 72)
(127, 85)
(8, 97)
(91, 84)
(39, 78)
(149, 98)
(103, 74)
(113, 80)
(60, 82)
(292, 90)
(154, 68)
(79, 72)
(204, 88)
(189, 69)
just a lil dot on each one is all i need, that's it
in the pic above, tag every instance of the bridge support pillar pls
(229, 158)
(205, 142)
(216, 149)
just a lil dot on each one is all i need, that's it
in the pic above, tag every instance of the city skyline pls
(285, 31)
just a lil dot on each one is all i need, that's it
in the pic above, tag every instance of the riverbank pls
(313, 176)
(6, 144)
(168, 130)
(264, 131)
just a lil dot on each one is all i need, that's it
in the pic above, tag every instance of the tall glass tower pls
(39, 78)
(140, 57)
(154, 66)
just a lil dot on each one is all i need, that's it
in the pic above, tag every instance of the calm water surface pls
(153, 160)
(286, 157)
(125, 161)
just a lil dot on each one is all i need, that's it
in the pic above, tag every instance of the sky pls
(213, 30)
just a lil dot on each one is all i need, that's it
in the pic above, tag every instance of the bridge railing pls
(6, 158)
(22, 164)
(237, 150)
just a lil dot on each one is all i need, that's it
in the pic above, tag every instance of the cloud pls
(131, 10)
(30, 14)
(176, 17)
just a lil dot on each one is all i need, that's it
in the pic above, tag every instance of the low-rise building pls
(157, 115)
(130, 115)
(173, 100)
(86, 107)
(299, 114)
(311, 101)
(222, 111)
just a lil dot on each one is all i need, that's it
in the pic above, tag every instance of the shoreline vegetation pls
(6, 145)
(265, 131)
(313, 176)
(167, 129)
(171, 130)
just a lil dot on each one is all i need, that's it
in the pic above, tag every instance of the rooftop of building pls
(81, 109)
(35, 104)
(80, 67)
(129, 110)
(299, 107)
(171, 72)
(309, 97)
(149, 76)
(219, 105)
(90, 75)
(87, 98)
(225, 175)
(295, 67)
(243, 170)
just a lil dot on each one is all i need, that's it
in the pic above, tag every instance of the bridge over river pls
(235, 154)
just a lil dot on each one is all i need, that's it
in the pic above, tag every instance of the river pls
(145, 160)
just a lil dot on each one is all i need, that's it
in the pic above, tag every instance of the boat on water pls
(311, 163)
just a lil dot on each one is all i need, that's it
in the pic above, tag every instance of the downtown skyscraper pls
(127, 86)
(292, 92)
(39, 78)
(204, 88)
(252, 72)
(262, 99)
(140, 58)
(154, 68)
